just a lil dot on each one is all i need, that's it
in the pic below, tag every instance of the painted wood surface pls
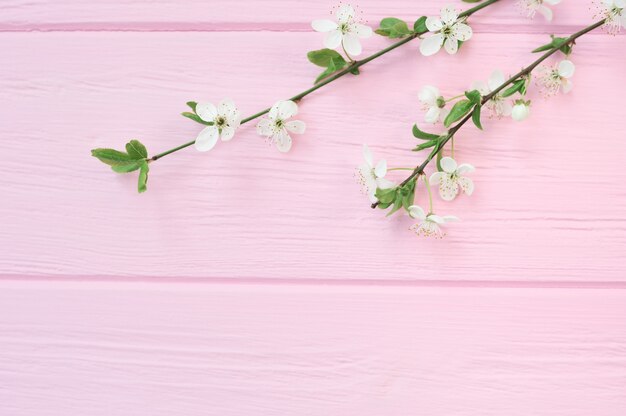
(214, 349)
(251, 282)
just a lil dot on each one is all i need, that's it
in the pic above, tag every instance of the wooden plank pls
(549, 202)
(195, 349)
(282, 15)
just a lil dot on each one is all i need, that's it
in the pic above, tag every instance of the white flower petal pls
(323, 25)
(206, 139)
(451, 45)
(381, 169)
(496, 79)
(333, 39)
(465, 168)
(545, 12)
(567, 85)
(435, 178)
(417, 212)
(367, 155)
(481, 86)
(226, 107)
(383, 183)
(449, 15)
(433, 24)
(295, 126)
(206, 111)
(432, 115)
(428, 95)
(462, 31)
(435, 218)
(448, 164)
(448, 188)
(287, 109)
(552, 2)
(450, 218)
(505, 108)
(227, 133)
(283, 141)
(362, 31)
(345, 13)
(431, 45)
(352, 44)
(566, 68)
(467, 185)
(264, 127)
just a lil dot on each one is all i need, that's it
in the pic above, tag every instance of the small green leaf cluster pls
(473, 103)
(193, 115)
(394, 28)
(519, 86)
(397, 198)
(134, 158)
(430, 140)
(331, 60)
(556, 42)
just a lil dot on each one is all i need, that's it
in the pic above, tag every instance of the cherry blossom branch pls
(419, 170)
(351, 68)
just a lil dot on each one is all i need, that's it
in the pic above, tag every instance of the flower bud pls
(521, 110)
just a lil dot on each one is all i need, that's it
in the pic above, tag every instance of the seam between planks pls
(486, 284)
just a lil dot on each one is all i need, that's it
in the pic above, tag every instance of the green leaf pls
(386, 195)
(129, 167)
(196, 118)
(420, 25)
(459, 110)
(324, 57)
(143, 178)
(393, 28)
(136, 150)
(474, 96)
(355, 71)
(423, 135)
(426, 145)
(439, 157)
(516, 87)
(555, 43)
(472, 1)
(383, 205)
(476, 116)
(112, 157)
(192, 105)
(397, 204)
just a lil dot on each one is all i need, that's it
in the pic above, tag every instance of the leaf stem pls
(390, 169)
(524, 72)
(430, 193)
(353, 65)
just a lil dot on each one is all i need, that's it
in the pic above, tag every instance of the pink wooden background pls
(251, 282)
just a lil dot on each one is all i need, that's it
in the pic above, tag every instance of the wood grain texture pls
(549, 205)
(274, 15)
(211, 349)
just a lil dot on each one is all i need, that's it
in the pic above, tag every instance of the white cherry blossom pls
(452, 178)
(277, 126)
(447, 31)
(225, 118)
(429, 225)
(433, 103)
(531, 7)
(614, 11)
(521, 110)
(498, 106)
(556, 78)
(346, 31)
(372, 176)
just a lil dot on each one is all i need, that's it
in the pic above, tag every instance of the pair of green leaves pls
(331, 60)
(194, 116)
(395, 28)
(461, 108)
(399, 197)
(556, 42)
(430, 139)
(134, 158)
